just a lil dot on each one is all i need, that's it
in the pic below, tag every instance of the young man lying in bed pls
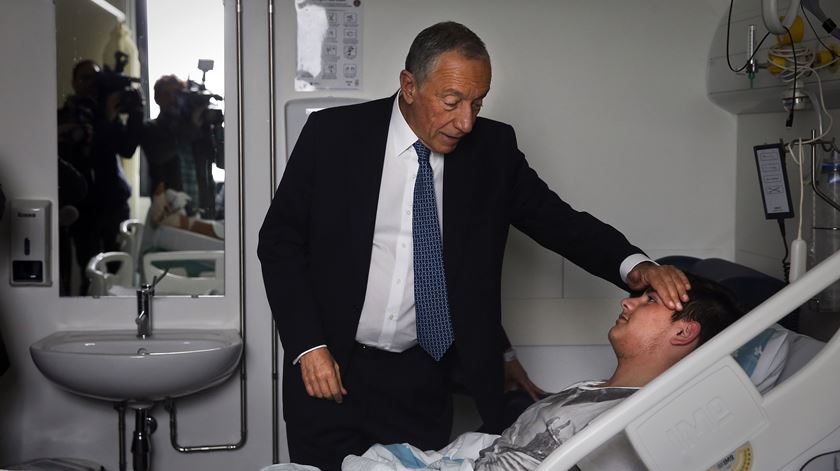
(647, 339)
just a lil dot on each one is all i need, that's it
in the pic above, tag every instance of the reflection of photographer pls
(98, 100)
(183, 142)
(101, 121)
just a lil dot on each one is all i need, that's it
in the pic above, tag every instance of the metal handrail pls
(272, 165)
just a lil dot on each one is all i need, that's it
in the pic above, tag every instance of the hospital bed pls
(129, 238)
(106, 283)
(134, 238)
(705, 411)
(210, 278)
(173, 239)
(195, 262)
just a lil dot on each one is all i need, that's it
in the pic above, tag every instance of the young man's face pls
(643, 325)
(443, 109)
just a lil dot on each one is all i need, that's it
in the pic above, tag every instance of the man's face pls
(167, 95)
(84, 80)
(643, 325)
(445, 106)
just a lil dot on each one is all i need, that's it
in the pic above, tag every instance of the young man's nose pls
(628, 304)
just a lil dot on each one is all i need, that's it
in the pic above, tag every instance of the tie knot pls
(422, 151)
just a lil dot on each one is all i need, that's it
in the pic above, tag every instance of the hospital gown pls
(541, 429)
(547, 424)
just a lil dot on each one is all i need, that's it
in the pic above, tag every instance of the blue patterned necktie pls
(434, 326)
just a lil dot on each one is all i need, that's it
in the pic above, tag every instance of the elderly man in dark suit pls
(382, 256)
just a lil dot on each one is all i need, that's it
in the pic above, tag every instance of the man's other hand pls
(517, 377)
(669, 282)
(321, 376)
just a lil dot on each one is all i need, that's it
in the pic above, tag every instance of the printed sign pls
(329, 45)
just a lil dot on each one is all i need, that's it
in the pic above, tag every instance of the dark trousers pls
(391, 398)
(96, 232)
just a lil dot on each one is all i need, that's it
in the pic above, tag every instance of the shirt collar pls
(400, 135)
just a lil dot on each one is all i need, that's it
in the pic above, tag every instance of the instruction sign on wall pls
(329, 45)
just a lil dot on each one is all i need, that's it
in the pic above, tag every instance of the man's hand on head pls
(668, 281)
(321, 375)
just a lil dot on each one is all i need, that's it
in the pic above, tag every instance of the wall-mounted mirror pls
(140, 146)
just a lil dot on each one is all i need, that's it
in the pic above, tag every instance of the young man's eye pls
(656, 299)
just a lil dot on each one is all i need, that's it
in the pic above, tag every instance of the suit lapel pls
(458, 188)
(364, 172)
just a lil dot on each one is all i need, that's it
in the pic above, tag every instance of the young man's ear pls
(686, 333)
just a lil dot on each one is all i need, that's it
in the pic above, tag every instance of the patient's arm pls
(202, 227)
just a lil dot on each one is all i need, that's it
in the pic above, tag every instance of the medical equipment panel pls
(772, 176)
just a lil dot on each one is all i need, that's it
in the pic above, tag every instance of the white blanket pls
(542, 428)
(459, 455)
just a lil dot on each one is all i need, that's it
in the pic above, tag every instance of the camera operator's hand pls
(132, 101)
(112, 106)
(124, 101)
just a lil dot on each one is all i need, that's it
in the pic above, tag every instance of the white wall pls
(609, 103)
(610, 106)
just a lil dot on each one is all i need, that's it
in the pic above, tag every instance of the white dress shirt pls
(387, 321)
(388, 316)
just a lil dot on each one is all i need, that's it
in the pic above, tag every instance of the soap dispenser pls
(30, 242)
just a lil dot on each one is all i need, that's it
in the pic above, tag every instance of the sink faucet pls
(144, 306)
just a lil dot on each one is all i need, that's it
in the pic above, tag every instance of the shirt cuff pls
(509, 355)
(630, 263)
(297, 360)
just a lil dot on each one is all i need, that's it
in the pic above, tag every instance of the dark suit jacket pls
(315, 244)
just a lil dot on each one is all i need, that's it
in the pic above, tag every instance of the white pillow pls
(763, 358)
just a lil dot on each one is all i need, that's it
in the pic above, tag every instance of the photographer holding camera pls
(183, 142)
(100, 122)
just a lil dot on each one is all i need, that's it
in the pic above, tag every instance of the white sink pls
(115, 365)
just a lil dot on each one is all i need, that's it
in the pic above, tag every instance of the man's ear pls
(686, 333)
(408, 86)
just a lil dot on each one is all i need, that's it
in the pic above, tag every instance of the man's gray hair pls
(437, 39)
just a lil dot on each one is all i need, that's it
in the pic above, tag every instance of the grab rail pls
(652, 395)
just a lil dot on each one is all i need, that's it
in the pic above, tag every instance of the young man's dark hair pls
(711, 304)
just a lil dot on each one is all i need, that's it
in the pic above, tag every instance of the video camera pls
(109, 81)
(197, 96)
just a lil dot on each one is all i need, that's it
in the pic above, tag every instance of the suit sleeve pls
(283, 250)
(578, 236)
